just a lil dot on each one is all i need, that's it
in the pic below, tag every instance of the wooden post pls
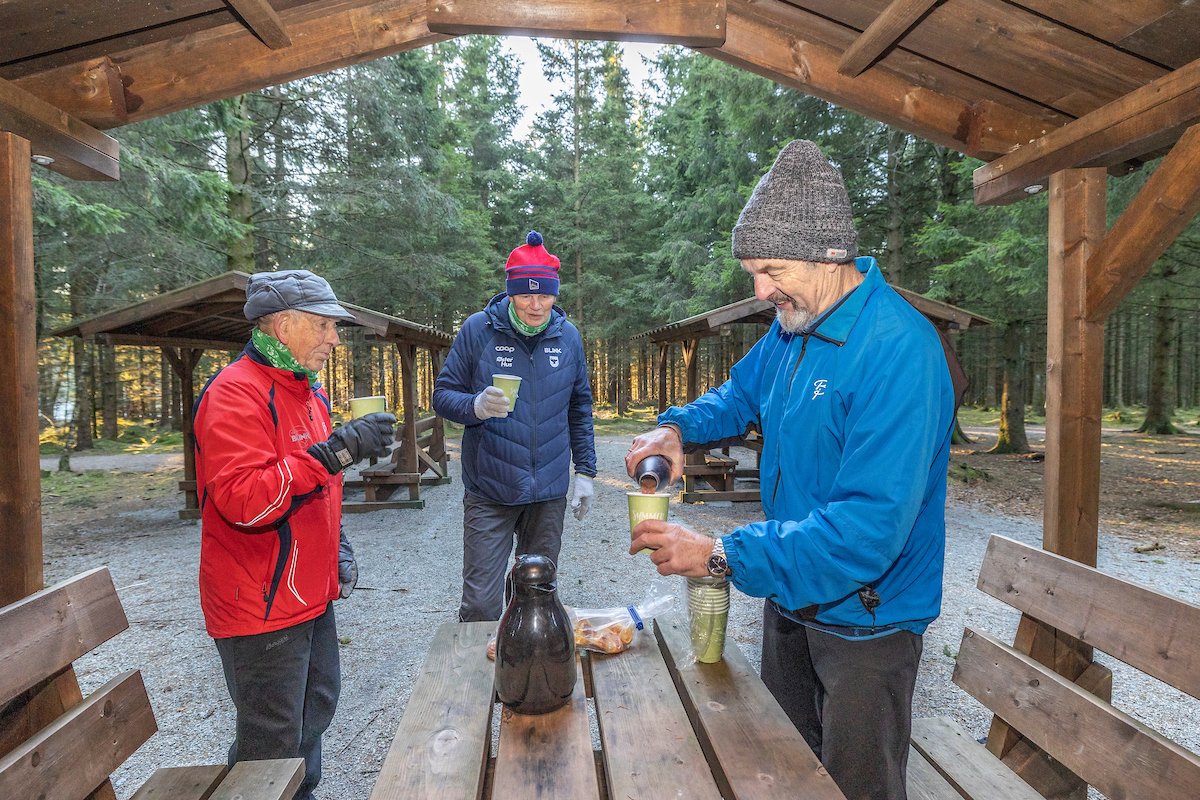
(437, 357)
(20, 473)
(1074, 384)
(183, 363)
(408, 430)
(20, 470)
(691, 348)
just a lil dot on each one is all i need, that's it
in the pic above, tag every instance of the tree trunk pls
(1012, 437)
(80, 290)
(1160, 395)
(237, 168)
(109, 392)
(575, 124)
(897, 140)
(164, 391)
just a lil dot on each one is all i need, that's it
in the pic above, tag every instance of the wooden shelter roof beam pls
(1133, 125)
(884, 32)
(263, 21)
(94, 92)
(763, 37)
(168, 342)
(219, 62)
(79, 150)
(695, 23)
(1164, 206)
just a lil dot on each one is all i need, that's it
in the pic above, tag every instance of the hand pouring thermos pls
(535, 644)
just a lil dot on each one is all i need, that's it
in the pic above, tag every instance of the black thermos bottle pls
(535, 644)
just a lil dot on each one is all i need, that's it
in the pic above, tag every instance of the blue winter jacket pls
(856, 414)
(524, 457)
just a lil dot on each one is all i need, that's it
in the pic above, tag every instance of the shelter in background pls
(208, 316)
(719, 469)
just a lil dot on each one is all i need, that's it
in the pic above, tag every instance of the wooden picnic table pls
(667, 729)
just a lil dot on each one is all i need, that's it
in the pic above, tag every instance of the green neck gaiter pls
(278, 356)
(522, 328)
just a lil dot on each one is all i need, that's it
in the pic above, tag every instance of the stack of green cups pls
(708, 613)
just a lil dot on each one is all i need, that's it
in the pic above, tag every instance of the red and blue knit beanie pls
(530, 269)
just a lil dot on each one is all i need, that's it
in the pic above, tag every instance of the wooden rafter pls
(881, 34)
(263, 21)
(696, 23)
(762, 37)
(1138, 123)
(94, 92)
(78, 150)
(227, 60)
(1166, 204)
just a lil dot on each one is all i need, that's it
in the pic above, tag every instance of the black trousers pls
(488, 530)
(285, 687)
(851, 700)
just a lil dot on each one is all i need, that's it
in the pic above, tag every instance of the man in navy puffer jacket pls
(516, 465)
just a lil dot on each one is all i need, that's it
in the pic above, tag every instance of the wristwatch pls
(718, 567)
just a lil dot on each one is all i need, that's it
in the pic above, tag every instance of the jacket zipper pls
(787, 395)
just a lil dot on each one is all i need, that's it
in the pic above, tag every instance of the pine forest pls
(406, 181)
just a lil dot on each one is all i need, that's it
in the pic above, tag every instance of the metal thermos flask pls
(653, 474)
(535, 644)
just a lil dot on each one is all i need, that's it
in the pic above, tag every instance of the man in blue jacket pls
(851, 391)
(516, 465)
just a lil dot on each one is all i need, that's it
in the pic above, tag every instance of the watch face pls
(717, 566)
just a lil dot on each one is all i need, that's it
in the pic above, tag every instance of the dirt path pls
(410, 562)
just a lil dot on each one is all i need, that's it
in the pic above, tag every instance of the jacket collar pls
(293, 380)
(837, 321)
(497, 311)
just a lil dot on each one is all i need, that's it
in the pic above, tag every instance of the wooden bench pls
(72, 757)
(1104, 746)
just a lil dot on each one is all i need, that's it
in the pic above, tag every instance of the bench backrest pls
(40, 636)
(1153, 632)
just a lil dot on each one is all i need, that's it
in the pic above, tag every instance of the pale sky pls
(536, 91)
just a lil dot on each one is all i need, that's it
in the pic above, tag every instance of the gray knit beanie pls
(799, 211)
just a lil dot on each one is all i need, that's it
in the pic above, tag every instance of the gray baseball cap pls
(299, 289)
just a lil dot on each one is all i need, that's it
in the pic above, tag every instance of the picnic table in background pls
(668, 727)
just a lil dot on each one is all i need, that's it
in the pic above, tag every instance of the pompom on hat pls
(799, 211)
(530, 269)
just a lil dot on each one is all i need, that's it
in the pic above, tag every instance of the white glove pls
(491, 402)
(581, 499)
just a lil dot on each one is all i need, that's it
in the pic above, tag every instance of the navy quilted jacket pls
(525, 457)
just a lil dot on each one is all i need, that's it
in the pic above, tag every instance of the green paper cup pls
(708, 635)
(646, 506)
(708, 616)
(361, 406)
(510, 385)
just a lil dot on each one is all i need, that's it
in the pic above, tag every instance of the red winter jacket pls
(270, 512)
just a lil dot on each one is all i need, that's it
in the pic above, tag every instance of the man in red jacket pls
(273, 556)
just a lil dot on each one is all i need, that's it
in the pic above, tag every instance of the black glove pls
(368, 436)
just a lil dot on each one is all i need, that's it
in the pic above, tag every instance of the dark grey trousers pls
(850, 699)
(488, 530)
(285, 687)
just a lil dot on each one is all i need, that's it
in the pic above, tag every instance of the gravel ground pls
(409, 584)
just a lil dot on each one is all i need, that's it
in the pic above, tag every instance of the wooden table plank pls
(755, 750)
(441, 747)
(635, 695)
(925, 782)
(547, 756)
(182, 783)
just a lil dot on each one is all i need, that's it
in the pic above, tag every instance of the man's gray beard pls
(793, 321)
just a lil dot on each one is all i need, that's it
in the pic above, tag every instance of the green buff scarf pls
(521, 327)
(278, 356)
